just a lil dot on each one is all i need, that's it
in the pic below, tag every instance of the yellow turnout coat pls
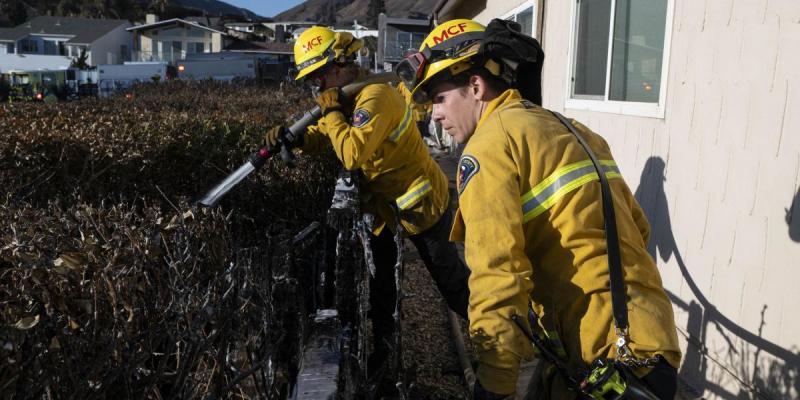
(381, 139)
(530, 216)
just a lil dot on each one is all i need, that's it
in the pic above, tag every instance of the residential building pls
(250, 31)
(172, 40)
(53, 42)
(288, 29)
(698, 101)
(397, 37)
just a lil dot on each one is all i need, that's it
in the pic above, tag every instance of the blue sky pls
(265, 8)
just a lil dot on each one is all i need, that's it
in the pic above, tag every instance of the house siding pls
(719, 179)
(106, 50)
(730, 171)
(212, 41)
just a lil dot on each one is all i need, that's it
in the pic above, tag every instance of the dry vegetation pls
(110, 287)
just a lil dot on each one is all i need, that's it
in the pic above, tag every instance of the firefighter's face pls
(457, 108)
(333, 76)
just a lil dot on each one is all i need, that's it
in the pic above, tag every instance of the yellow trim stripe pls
(561, 182)
(402, 128)
(413, 195)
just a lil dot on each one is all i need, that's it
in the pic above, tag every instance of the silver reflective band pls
(310, 62)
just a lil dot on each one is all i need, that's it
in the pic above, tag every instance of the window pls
(28, 46)
(524, 16)
(195, 47)
(409, 41)
(618, 54)
(195, 32)
(124, 53)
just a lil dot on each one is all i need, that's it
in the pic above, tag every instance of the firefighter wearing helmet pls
(374, 132)
(532, 222)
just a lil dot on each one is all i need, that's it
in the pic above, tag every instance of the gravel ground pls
(427, 336)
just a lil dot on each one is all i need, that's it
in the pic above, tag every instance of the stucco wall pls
(719, 178)
(716, 177)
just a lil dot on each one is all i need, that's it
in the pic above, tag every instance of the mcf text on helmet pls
(449, 31)
(312, 43)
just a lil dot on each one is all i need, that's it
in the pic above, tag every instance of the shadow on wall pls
(793, 217)
(777, 378)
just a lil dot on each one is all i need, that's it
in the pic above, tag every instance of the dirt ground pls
(426, 331)
(427, 337)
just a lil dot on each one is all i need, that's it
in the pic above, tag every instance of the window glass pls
(195, 32)
(195, 47)
(638, 50)
(50, 47)
(525, 19)
(592, 48)
(28, 46)
(172, 32)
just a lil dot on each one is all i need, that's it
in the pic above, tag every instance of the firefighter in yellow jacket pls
(530, 216)
(420, 112)
(375, 132)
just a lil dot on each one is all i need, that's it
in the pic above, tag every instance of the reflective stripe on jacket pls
(382, 140)
(420, 111)
(530, 214)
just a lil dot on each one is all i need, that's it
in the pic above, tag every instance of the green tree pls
(81, 61)
(15, 10)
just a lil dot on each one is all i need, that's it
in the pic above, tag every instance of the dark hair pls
(495, 83)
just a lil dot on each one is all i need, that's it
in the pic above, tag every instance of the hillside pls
(14, 12)
(215, 7)
(346, 10)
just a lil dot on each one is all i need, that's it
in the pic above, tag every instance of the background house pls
(173, 39)
(397, 36)
(52, 42)
(698, 101)
(250, 31)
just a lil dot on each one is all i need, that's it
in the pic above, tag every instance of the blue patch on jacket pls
(360, 117)
(467, 168)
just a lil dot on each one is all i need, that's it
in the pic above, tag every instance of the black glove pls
(479, 393)
(280, 134)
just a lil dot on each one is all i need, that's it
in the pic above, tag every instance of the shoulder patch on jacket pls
(360, 117)
(468, 166)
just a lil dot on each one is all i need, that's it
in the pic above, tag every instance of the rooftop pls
(176, 21)
(80, 30)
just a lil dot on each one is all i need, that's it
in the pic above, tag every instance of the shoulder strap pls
(618, 298)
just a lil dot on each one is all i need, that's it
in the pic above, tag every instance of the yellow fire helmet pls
(319, 46)
(445, 52)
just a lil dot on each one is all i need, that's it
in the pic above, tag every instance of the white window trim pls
(653, 110)
(523, 7)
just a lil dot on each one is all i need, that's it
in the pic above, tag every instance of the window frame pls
(632, 108)
(534, 18)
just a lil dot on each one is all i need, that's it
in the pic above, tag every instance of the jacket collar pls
(510, 95)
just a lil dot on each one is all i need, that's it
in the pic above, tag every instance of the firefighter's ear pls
(478, 87)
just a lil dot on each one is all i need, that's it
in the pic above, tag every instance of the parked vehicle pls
(221, 70)
(226, 66)
(113, 79)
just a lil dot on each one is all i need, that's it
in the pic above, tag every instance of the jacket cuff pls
(333, 119)
(498, 380)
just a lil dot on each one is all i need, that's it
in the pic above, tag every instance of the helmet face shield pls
(411, 69)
